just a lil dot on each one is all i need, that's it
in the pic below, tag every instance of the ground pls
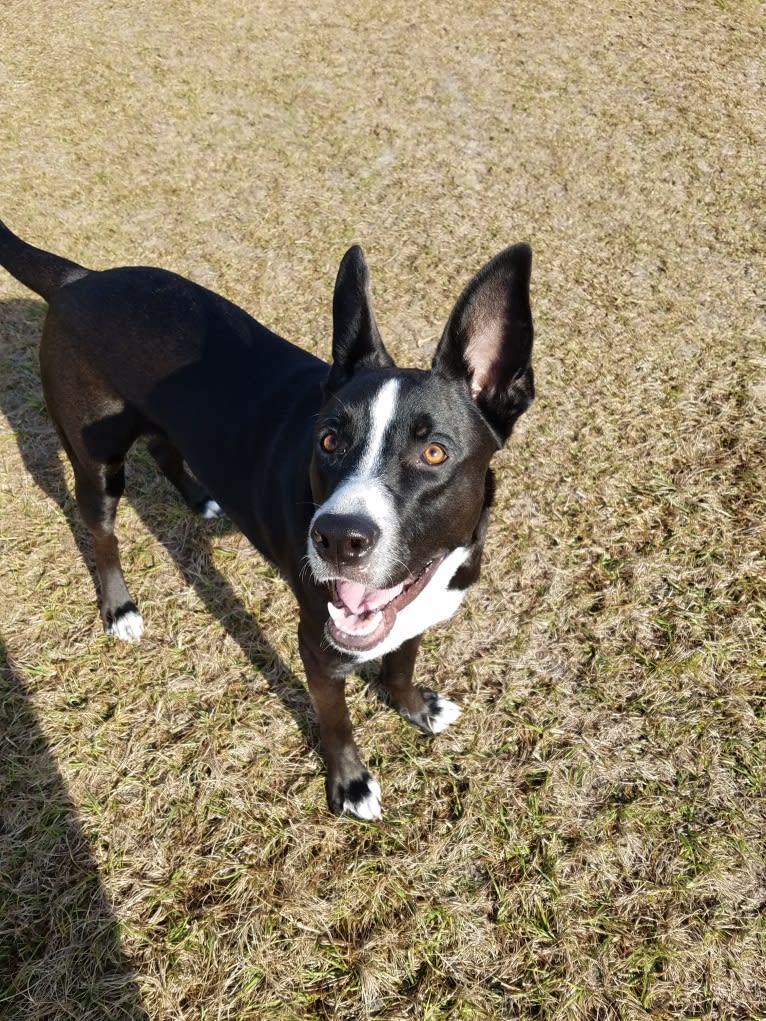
(587, 841)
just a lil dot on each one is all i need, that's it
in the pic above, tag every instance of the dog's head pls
(401, 456)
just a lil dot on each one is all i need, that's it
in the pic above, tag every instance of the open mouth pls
(361, 618)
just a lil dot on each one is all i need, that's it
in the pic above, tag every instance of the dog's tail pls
(38, 270)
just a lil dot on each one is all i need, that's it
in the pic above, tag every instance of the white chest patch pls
(437, 602)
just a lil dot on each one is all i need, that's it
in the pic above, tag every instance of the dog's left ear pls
(488, 339)
(356, 342)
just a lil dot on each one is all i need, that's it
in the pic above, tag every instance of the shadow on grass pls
(22, 403)
(60, 951)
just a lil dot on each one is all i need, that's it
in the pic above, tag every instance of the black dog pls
(367, 486)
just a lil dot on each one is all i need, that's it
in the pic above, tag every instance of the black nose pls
(344, 538)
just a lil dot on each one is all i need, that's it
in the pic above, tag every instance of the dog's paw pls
(438, 713)
(209, 509)
(359, 797)
(126, 623)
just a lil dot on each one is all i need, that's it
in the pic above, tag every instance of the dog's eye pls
(434, 454)
(330, 442)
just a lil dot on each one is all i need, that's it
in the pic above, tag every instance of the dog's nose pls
(344, 538)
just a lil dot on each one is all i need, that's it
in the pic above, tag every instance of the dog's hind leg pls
(421, 707)
(96, 428)
(98, 489)
(171, 463)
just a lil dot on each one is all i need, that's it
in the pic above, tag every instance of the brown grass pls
(588, 842)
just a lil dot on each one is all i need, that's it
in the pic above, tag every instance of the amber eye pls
(329, 442)
(434, 454)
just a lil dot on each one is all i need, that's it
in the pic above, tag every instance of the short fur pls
(378, 537)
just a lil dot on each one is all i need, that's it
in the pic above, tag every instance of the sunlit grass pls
(588, 841)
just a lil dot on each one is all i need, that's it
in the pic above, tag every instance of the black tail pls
(38, 270)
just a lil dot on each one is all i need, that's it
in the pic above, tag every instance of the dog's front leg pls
(421, 707)
(350, 786)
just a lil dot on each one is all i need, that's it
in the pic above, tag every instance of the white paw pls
(211, 509)
(365, 803)
(128, 627)
(441, 713)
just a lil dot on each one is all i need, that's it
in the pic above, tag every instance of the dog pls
(367, 486)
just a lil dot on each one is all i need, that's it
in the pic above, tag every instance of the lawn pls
(589, 840)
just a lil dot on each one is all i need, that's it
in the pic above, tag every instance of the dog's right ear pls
(356, 342)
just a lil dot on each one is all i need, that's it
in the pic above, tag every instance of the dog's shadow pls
(22, 404)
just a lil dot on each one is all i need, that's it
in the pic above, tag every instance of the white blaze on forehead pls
(363, 492)
(360, 490)
(381, 415)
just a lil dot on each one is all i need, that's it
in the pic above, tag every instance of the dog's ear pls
(488, 339)
(356, 342)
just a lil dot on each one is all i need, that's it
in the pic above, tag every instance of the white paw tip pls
(211, 509)
(441, 713)
(368, 806)
(128, 627)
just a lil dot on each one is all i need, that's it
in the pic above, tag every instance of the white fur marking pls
(362, 496)
(441, 713)
(367, 807)
(363, 493)
(381, 414)
(128, 627)
(211, 509)
(437, 602)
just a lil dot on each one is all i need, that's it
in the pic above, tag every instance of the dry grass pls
(588, 842)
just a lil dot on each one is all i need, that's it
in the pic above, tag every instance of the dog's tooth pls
(373, 623)
(336, 612)
(351, 623)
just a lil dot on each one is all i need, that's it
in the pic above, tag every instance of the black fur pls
(271, 432)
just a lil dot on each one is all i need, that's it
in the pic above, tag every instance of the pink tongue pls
(358, 599)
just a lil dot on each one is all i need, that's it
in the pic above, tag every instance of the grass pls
(588, 841)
